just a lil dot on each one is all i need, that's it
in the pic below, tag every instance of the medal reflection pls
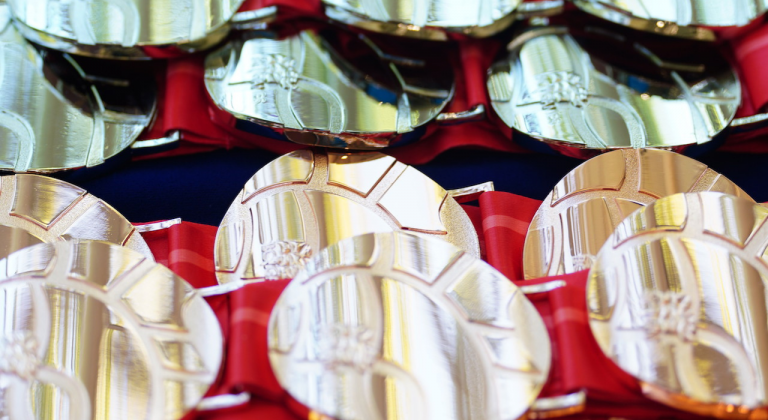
(677, 298)
(94, 330)
(399, 326)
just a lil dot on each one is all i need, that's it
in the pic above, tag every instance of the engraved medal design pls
(691, 19)
(52, 119)
(426, 19)
(677, 298)
(307, 200)
(36, 209)
(583, 209)
(301, 89)
(398, 326)
(552, 89)
(94, 330)
(125, 29)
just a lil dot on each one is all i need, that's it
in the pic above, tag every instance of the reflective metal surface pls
(426, 19)
(49, 210)
(305, 201)
(583, 209)
(125, 29)
(677, 298)
(91, 330)
(693, 19)
(553, 89)
(304, 90)
(396, 326)
(53, 118)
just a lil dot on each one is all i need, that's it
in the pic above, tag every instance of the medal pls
(125, 29)
(676, 298)
(307, 200)
(393, 325)
(95, 330)
(583, 209)
(553, 89)
(301, 88)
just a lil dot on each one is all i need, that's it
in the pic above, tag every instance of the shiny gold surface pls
(691, 19)
(677, 298)
(302, 89)
(426, 19)
(583, 209)
(91, 330)
(48, 122)
(50, 210)
(552, 89)
(306, 200)
(132, 29)
(398, 326)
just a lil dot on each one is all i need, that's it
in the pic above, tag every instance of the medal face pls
(305, 201)
(583, 209)
(301, 89)
(95, 330)
(677, 298)
(49, 210)
(683, 19)
(426, 19)
(552, 89)
(395, 326)
(125, 29)
(54, 119)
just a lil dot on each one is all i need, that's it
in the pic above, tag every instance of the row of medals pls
(391, 312)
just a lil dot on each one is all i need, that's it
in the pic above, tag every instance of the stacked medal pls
(343, 281)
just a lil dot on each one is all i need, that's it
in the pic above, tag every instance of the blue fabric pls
(200, 188)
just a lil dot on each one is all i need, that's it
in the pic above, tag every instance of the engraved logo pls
(347, 345)
(582, 261)
(19, 355)
(670, 313)
(278, 69)
(560, 86)
(284, 259)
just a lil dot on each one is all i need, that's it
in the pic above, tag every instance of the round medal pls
(306, 200)
(302, 89)
(393, 325)
(95, 330)
(583, 209)
(677, 298)
(125, 29)
(36, 208)
(551, 88)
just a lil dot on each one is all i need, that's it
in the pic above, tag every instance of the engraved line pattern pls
(284, 259)
(347, 345)
(560, 86)
(670, 313)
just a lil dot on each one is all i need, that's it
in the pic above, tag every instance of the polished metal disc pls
(583, 209)
(398, 326)
(302, 89)
(678, 298)
(307, 200)
(125, 29)
(49, 210)
(690, 19)
(552, 89)
(91, 330)
(425, 19)
(53, 118)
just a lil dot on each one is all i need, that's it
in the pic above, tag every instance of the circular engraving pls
(393, 325)
(306, 200)
(125, 29)
(677, 298)
(551, 88)
(36, 209)
(583, 209)
(95, 330)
